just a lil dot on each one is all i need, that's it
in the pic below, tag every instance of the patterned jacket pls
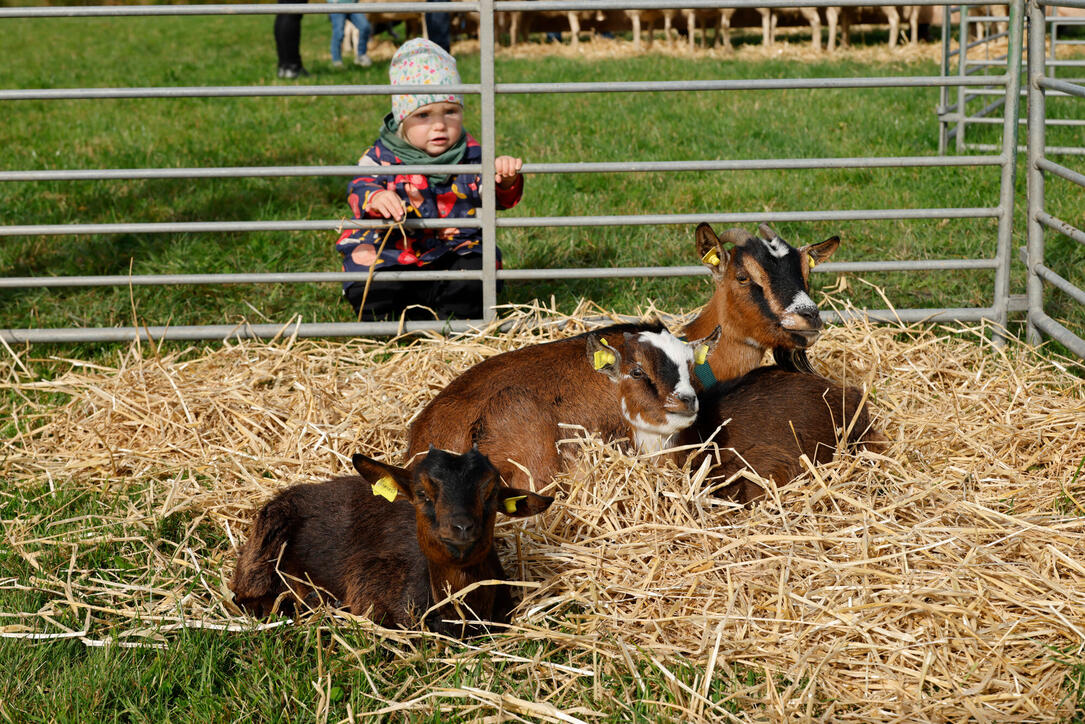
(457, 198)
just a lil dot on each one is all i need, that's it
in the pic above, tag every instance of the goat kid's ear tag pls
(601, 358)
(711, 258)
(385, 488)
(511, 502)
(701, 354)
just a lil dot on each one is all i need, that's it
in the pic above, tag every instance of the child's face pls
(434, 128)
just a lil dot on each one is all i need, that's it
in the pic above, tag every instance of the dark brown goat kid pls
(628, 381)
(767, 419)
(770, 416)
(387, 544)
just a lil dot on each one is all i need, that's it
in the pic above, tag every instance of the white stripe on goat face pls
(776, 246)
(678, 353)
(801, 302)
(650, 437)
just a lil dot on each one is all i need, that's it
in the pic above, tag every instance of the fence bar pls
(1070, 89)
(1060, 226)
(145, 280)
(529, 168)
(376, 329)
(1057, 331)
(112, 11)
(505, 222)
(501, 88)
(1061, 283)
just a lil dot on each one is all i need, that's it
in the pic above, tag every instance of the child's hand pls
(507, 170)
(387, 204)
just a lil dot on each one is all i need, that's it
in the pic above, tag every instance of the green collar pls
(408, 154)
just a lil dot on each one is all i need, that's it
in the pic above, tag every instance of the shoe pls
(363, 60)
(337, 64)
(290, 72)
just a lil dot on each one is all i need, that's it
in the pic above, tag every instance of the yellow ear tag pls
(510, 503)
(812, 262)
(602, 358)
(701, 354)
(385, 488)
(711, 258)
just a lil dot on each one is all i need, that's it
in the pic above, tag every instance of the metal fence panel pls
(1040, 276)
(1007, 83)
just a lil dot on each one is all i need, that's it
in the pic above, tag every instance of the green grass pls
(270, 675)
(549, 128)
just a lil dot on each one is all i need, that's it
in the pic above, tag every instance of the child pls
(422, 129)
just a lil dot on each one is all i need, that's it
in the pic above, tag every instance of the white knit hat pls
(421, 62)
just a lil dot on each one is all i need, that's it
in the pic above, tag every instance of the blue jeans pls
(359, 21)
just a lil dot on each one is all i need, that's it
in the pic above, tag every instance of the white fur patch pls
(680, 353)
(650, 438)
(802, 301)
(776, 247)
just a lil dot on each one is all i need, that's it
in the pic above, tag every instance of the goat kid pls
(761, 300)
(350, 541)
(768, 418)
(628, 381)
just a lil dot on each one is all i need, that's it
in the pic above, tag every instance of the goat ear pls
(817, 253)
(710, 250)
(388, 481)
(517, 503)
(704, 346)
(602, 357)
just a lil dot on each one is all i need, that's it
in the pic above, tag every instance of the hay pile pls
(941, 579)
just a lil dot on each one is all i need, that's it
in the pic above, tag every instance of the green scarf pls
(409, 154)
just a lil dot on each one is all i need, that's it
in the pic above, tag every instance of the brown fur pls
(770, 415)
(339, 542)
(512, 405)
(770, 418)
(748, 329)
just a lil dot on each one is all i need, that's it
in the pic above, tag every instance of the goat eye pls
(636, 373)
(742, 279)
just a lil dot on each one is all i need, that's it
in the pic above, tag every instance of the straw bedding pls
(942, 578)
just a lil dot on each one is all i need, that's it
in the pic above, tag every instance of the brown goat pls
(388, 544)
(626, 381)
(761, 299)
(767, 419)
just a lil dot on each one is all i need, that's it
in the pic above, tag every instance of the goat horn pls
(767, 232)
(737, 236)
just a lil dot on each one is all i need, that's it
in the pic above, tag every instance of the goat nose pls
(463, 529)
(812, 317)
(688, 399)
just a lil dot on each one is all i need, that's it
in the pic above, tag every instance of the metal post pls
(943, 92)
(962, 71)
(1012, 110)
(489, 153)
(1037, 113)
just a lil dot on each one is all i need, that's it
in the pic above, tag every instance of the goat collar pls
(703, 371)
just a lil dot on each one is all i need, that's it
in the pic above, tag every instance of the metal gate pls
(1041, 82)
(1001, 208)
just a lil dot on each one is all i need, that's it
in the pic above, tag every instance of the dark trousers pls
(288, 38)
(453, 298)
(438, 28)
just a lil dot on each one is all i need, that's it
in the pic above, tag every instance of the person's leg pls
(386, 300)
(338, 23)
(288, 43)
(461, 299)
(361, 53)
(439, 28)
